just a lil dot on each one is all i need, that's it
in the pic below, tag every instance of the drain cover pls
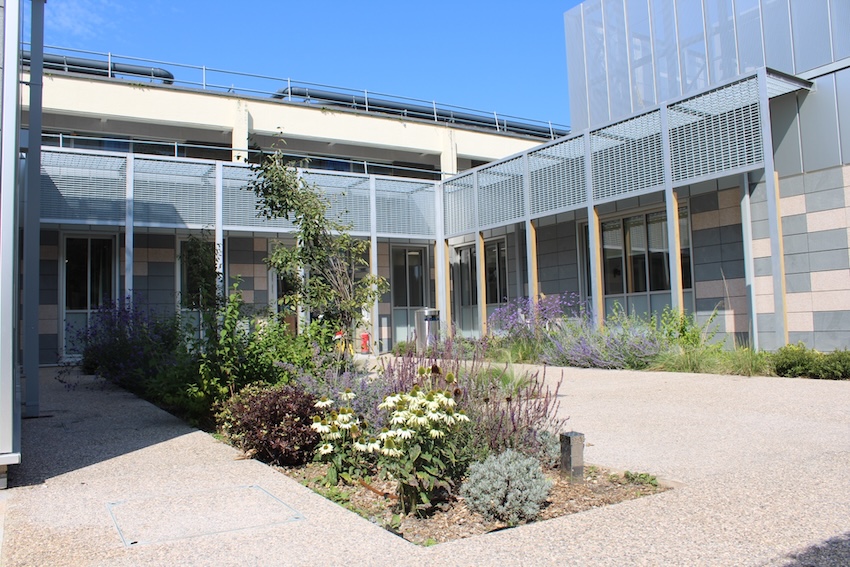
(167, 518)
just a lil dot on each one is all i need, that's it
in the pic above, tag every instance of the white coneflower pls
(390, 402)
(436, 434)
(404, 433)
(362, 447)
(324, 403)
(347, 394)
(326, 449)
(320, 427)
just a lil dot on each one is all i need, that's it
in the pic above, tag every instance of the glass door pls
(89, 285)
(409, 289)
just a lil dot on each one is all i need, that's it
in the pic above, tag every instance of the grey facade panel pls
(597, 78)
(829, 260)
(640, 54)
(692, 49)
(777, 36)
(831, 340)
(750, 52)
(796, 243)
(794, 264)
(805, 337)
(720, 26)
(832, 321)
(819, 126)
(810, 28)
(842, 87)
(667, 78)
(825, 201)
(828, 240)
(731, 233)
(48, 349)
(792, 224)
(797, 283)
(576, 68)
(785, 129)
(840, 37)
(616, 48)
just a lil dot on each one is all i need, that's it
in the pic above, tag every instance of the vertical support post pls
(32, 217)
(749, 262)
(671, 201)
(594, 241)
(480, 269)
(530, 234)
(219, 227)
(9, 400)
(441, 270)
(448, 154)
(373, 253)
(774, 217)
(129, 228)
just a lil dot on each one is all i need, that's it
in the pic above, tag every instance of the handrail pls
(252, 84)
(178, 149)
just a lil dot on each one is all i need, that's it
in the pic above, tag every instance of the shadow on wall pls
(834, 551)
(85, 421)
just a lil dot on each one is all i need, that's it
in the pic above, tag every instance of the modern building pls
(708, 169)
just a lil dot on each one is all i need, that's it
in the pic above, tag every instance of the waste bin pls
(427, 328)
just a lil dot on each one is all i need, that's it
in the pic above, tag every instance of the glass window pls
(496, 260)
(635, 233)
(612, 257)
(467, 276)
(408, 269)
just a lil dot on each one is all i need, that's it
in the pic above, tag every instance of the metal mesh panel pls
(500, 193)
(405, 207)
(174, 192)
(557, 178)
(83, 187)
(716, 131)
(627, 157)
(459, 205)
(240, 204)
(348, 195)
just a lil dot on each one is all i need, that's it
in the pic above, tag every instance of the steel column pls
(749, 263)
(671, 202)
(129, 228)
(594, 242)
(373, 254)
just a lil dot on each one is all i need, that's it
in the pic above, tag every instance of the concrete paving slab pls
(763, 466)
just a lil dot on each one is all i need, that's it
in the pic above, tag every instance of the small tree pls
(323, 268)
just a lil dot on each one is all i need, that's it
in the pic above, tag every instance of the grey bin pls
(427, 328)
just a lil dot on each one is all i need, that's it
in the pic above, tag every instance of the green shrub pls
(509, 487)
(832, 365)
(271, 423)
(794, 360)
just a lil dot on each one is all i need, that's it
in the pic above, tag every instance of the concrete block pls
(758, 211)
(731, 252)
(762, 266)
(824, 180)
(830, 341)
(704, 187)
(828, 240)
(797, 263)
(807, 338)
(761, 229)
(825, 200)
(795, 205)
(707, 254)
(829, 260)
(792, 185)
(731, 233)
(705, 202)
(796, 243)
(160, 269)
(831, 321)
(793, 224)
(706, 237)
(798, 282)
(830, 280)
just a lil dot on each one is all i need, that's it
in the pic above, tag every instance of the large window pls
(89, 284)
(636, 262)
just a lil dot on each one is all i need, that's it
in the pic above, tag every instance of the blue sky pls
(498, 55)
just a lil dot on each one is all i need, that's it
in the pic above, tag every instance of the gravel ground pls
(761, 466)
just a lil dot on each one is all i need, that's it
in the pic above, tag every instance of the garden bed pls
(454, 520)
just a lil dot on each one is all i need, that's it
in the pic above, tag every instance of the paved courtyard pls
(761, 465)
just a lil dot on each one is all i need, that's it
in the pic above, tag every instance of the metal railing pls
(182, 149)
(293, 91)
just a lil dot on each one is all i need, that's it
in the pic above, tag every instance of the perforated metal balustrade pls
(89, 187)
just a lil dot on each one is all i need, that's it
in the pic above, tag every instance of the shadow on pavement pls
(832, 552)
(85, 420)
